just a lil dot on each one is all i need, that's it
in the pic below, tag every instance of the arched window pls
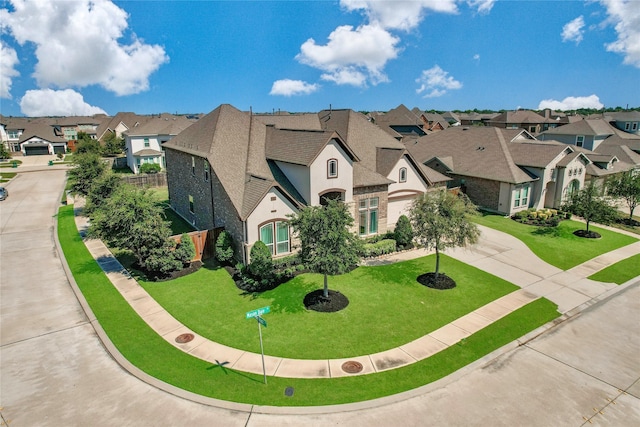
(403, 174)
(332, 168)
(276, 236)
(573, 187)
(331, 195)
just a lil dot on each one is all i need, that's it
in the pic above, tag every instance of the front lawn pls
(620, 272)
(149, 352)
(558, 246)
(387, 308)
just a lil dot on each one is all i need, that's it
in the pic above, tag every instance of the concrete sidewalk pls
(497, 253)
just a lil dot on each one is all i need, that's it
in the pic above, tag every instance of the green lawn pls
(7, 176)
(149, 352)
(178, 224)
(558, 245)
(9, 164)
(387, 308)
(620, 272)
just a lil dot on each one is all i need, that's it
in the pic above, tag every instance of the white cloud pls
(49, 102)
(400, 15)
(436, 82)
(572, 103)
(625, 16)
(77, 45)
(573, 31)
(352, 52)
(476, 57)
(287, 87)
(483, 6)
(8, 62)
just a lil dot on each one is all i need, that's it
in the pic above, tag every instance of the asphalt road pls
(54, 370)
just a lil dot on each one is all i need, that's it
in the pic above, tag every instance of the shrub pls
(150, 168)
(543, 216)
(533, 214)
(382, 247)
(287, 262)
(185, 251)
(224, 248)
(261, 265)
(403, 232)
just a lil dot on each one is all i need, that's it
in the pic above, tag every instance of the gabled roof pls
(517, 117)
(481, 152)
(537, 154)
(301, 146)
(165, 124)
(128, 119)
(593, 127)
(43, 131)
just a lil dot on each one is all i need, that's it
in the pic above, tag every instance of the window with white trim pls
(626, 126)
(206, 170)
(191, 205)
(146, 142)
(275, 235)
(634, 126)
(579, 140)
(193, 166)
(368, 216)
(521, 196)
(332, 168)
(403, 175)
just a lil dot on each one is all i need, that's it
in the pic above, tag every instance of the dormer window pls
(332, 168)
(146, 142)
(403, 175)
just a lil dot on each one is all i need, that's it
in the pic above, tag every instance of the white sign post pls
(261, 322)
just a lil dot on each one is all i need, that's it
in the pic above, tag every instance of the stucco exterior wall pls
(320, 183)
(273, 207)
(299, 176)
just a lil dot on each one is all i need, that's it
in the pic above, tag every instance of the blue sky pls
(82, 57)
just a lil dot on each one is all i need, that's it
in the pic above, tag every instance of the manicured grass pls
(7, 176)
(620, 272)
(387, 308)
(145, 349)
(178, 224)
(558, 245)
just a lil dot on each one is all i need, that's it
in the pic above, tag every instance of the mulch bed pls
(443, 282)
(159, 277)
(317, 302)
(587, 234)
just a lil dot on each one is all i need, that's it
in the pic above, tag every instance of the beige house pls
(247, 173)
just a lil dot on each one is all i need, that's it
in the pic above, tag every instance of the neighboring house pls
(589, 133)
(528, 120)
(41, 139)
(69, 127)
(476, 119)
(120, 123)
(452, 118)
(503, 170)
(627, 121)
(144, 142)
(247, 173)
(400, 122)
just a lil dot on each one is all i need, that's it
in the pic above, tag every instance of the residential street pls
(55, 371)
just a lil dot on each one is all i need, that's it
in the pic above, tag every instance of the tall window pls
(522, 196)
(206, 170)
(191, 204)
(332, 168)
(368, 216)
(193, 165)
(403, 174)
(276, 236)
(580, 140)
(146, 142)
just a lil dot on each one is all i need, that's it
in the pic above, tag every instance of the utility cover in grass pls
(443, 282)
(316, 301)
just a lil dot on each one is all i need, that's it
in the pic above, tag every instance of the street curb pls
(311, 410)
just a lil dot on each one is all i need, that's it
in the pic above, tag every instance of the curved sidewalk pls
(497, 253)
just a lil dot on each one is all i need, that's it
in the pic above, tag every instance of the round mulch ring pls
(317, 302)
(443, 282)
(352, 367)
(184, 338)
(587, 234)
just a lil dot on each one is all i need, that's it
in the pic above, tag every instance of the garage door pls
(36, 150)
(58, 149)
(396, 207)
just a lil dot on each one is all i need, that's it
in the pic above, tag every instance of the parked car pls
(3, 193)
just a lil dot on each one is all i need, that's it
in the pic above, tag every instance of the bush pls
(382, 247)
(403, 232)
(261, 266)
(287, 262)
(185, 251)
(150, 168)
(162, 259)
(224, 248)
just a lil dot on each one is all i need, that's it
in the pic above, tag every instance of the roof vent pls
(480, 148)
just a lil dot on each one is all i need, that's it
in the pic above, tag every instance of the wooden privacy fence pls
(199, 239)
(147, 180)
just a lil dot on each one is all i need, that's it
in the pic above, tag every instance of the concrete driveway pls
(54, 370)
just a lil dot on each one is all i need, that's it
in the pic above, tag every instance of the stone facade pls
(379, 191)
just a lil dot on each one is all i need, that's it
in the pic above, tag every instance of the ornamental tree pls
(87, 168)
(627, 187)
(328, 246)
(440, 220)
(590, 205)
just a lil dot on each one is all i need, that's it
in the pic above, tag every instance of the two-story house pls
(144, 142)
(247, 173)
